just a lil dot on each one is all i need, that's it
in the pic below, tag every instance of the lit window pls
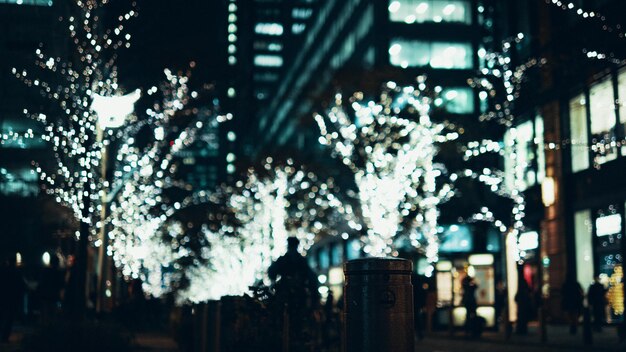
(269, 28)
(232, 7)
(578, 133)
(421, 11)
(232, 49)
(602, 107)
(415, 53)
(268, 60)
(266, 77)
(269, 46)
(297, 28)
(524, 164)
(300, 13)
(458, 100)
(231, 92)
(232, 60)
(232, 17)
(621, 82)
(584, 246)
(28, 2)
(232, 28)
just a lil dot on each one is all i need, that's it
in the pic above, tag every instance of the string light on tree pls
(71, 126)
(272, 204)
(391, 146)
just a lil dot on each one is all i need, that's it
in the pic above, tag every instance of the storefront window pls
(353, 249)
(621, 82)
(323, 259)
(524, 163)
(336, 254)
(602, 106)
(416, 53)
(578, 133)
(456, 239)
(540, 147)
(584, 247)
(421, 11)
(609, 261)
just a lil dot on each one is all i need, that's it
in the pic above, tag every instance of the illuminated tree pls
(146, 173)
(251, 232)
(72, 126)
(77, 133)
(391, 146)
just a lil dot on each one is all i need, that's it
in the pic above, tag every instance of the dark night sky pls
(169, 34)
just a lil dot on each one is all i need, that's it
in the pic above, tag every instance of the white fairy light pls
(392, 159)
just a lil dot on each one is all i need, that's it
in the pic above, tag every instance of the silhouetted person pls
(49, 289)
(296, 290)
(572, 302)
(469, 300)
(523, 299)
(419, 302)
(500, 299)
(291, 272)
(11, 294)
(596, 296)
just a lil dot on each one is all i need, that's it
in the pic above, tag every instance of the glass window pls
(578, 133)
(621, 87)
(21, 182)
(584, 247)
(602, 106)
(415, 53)
(336, 254)
(269, 28)
(268, 60)
(353, 249)
(451, 55)
(458, 100)
(520, 156)
(323, 258)
(421, 11)
(456, 238)
(608, 257)
(28, 2)
(541, 151)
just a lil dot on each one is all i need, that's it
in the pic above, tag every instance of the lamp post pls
(112, 113)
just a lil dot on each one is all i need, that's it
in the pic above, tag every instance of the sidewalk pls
(559, 340)
(141, 342)
(154, 342)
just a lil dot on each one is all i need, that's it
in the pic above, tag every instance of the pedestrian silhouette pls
(296, 292)
(11, 295)
(572, 302)
(473, 325)
(293, 276)
(419, 302)
(596, 296)
(523, 299)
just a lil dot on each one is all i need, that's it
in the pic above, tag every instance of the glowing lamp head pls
(112, 111)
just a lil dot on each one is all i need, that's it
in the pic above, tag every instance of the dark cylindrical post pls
(378, 301)
(587, 334)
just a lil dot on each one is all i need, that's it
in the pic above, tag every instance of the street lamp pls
(112, 113)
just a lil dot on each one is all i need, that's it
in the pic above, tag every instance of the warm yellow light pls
(548, 191)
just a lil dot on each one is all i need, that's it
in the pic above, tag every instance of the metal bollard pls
(587, 334)
(378, 301)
